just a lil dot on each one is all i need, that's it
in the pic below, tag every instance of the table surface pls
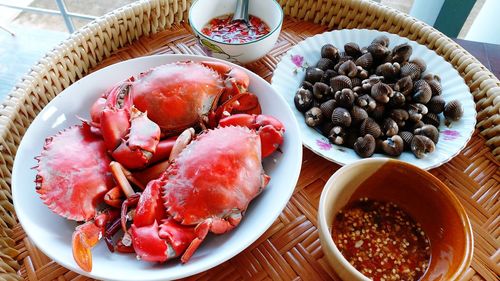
(290, 249)
(487, 54)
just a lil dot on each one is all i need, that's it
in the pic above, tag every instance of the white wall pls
(485, 27)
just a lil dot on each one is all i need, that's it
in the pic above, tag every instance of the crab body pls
(62, 164)
(207, 188)
(180, 95)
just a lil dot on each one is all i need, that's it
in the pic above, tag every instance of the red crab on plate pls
(167, 157)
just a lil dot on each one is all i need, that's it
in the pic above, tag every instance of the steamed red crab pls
(165, 191)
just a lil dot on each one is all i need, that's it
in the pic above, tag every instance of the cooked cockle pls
(351, 136)
(325, 127)
(404, 85)
(325, 63)
(303, 100)
(365, 61)
(407, 138)
(355, 81)
(307, 85)
(401, 53)
(358, 115)
(362, 73)
(400, 116)
(366, 102)
(370, 126)
(436, 104)
(415, 125)
(314, 74)
(340, 82)
(328, 75)
(343, 58)
(365, 146)
(382, 40)
(378, 51)
(330, 52)
(388, 70)
(434, 82)
(381, 92)
(341, 117)
(348, 68)
(420, 63)
(397, 100)
(389, 127)
(429, 131)
(432, 119)
(321, 91)
(313, 117)
(337, 135)
(345, 98)
(416, 111)
(422, 92)
(411, 69)
(352, 49)
(453, 111)
(393, 145)
(378, 112)
(327, 107)
(421, 145)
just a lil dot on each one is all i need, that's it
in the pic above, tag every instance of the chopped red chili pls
(381, 240)
(224, 29)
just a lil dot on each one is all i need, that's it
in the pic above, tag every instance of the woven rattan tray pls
(290, 249)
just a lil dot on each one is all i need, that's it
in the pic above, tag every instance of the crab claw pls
(114, 197)
(153, 242)
(129, 134)
(143, 138)
(158, 243)
(225, 70)
(269, 129)
(87, 235)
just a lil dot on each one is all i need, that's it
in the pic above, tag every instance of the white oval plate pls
(52, 233)
(290, 73)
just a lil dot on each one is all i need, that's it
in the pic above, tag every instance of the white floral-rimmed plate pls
(290, 73)
(52, 233)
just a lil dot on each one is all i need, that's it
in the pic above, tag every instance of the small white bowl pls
(202, 11)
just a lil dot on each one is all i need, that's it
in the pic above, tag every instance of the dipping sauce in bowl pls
(411, 223)
(225, 30)
(381, 240)
(211, 23)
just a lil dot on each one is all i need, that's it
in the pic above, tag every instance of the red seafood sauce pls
(224, 29)
(381, 240)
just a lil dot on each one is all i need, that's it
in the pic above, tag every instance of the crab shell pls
(72, 183)
(215, 177)
(177, 95)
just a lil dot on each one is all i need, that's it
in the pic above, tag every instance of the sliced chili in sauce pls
(381, 240)
(224, 29)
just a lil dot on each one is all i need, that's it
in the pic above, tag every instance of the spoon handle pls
(241, 12)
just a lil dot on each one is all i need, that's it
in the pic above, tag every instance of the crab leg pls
(119, 174)
(87, 235)
(114, 197)
(214, 225)
(269, 129)
(130, 136)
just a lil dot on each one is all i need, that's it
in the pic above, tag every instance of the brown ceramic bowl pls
(416, 191)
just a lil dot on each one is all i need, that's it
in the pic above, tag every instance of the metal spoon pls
(241, 12)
